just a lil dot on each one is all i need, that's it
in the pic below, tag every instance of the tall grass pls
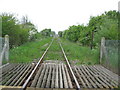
(34, 50)
(80, 54)
(29, 51)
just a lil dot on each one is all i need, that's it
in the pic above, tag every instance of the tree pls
(29, 27)
(11, 28)
(60, 33)
(46, 32)
(52, 34)
(19, 33)
(105, 25)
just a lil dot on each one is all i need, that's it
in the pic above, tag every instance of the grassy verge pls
(79, 54)
(29, 51)
(34, 50)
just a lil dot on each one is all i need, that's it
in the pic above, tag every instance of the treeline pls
(22, 31)
(19, 32)
(47, 33)
(105, 25)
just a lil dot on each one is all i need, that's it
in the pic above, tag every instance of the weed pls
(29, 51)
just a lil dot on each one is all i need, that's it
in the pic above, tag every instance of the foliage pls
(47, 32)
(54, 52)
(60, 33)
(105, 25)
(11, 28)
(30, 27)
(29, 52)
(80, 54)
(32, 51)
(19, 33)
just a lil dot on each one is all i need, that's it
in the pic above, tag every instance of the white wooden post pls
(7, 48)
(102, 48)
(103, 51)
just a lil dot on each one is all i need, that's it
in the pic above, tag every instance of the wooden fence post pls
(7, 48)
(101, 48)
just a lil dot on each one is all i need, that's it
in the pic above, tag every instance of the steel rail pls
(28, 79)
(69, 66)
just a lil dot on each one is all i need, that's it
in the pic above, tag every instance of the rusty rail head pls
(76, 82)
(41, 59)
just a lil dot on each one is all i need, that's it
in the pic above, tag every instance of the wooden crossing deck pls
(54, 75)
(51, 75)
(15, 74)
(95, 76)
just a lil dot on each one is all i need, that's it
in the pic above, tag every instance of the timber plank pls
(84, 78)
(103, 79)
(56, 78)
(84, 70)
(18, 76)
(93, 78)
(37, 76)
(82, 82)
(18, 71)
(109, 80)
(17, 82)
(104, 72)
(9, 74)
(49, 77)
(68, 77)
(98, 77)
(61, 80)
(64, 77)
(45, 77)
(53, 76)
(29, 71)
(41, 76)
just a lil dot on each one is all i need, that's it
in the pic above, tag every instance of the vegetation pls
(47, 33)
(54, 52)
(19, 32)
(30, 51)
(87, 36)
(33, 51)
(22, 31)
(105, 25)
(60, 33)
(79, 54)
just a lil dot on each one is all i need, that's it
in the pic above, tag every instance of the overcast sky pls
(57, 14)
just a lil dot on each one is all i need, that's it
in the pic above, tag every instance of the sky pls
(57, 14)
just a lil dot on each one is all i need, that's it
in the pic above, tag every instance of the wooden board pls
(10, 88)
(95, 76)
(53, 76)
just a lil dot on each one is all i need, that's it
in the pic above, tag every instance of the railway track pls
(57, 74)
(52, 75)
